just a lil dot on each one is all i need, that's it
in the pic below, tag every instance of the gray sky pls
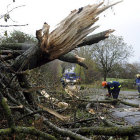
(124, 17)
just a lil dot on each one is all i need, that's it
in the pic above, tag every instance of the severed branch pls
(73, 58)
(26, 130)
(109, 131)
(13, 25)
(31, 114)
(7, 111)
(65, 132)
(2, 16)
(61, 131)
(11, 52)
(113, 101)
(23, 82)
(56, 114)
(80, 121)
(129, 104)
(9, 57)
(95, 38)
(16, 107)
(16, 46)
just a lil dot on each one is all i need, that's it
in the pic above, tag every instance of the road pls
(130, 114)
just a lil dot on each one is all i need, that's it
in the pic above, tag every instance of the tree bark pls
(26, 130)
(95, 38)
(35, 57)
(109, 131)
(16, 46)
(112, 101)
(89, 40)
(25, 85)
(129, 104)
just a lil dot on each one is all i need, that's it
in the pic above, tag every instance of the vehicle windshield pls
(72, 75)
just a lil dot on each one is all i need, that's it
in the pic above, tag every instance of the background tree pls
(91, 74)
(18, 37)
(65, 66)
(110, 52)
(125, 70)
(47, 76)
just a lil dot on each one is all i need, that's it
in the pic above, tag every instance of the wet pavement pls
(129, 114)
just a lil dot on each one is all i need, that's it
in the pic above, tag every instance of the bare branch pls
(2, 16)
(13, 25)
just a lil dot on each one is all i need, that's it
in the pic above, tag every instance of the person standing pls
(113, 88)
(138, 83)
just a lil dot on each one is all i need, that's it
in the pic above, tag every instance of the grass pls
(126, 89)
(121, 80)
(127, 84)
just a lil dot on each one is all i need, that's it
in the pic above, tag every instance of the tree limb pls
(23, 82)
(16, 46)
(26, 130)
(109, 131)
(72, 58)
(7, 111)
(95, 38)
(61, 131)
(13, 25)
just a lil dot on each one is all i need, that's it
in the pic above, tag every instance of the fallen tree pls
(37, 56)
(15, 59)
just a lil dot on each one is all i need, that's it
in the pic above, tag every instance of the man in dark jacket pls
(113, 88)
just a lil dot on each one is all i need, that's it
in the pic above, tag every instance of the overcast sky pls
(124, 18)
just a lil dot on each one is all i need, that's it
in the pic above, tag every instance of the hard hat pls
(138, 75)
(104, 83)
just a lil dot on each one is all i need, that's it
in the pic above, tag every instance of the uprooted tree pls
(16, 58)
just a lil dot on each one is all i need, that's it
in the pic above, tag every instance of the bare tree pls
(111, 52)
(91, 74)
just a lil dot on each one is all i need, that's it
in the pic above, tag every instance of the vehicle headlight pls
(67, 80)
(74, 80)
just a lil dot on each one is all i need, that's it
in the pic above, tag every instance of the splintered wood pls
(73, 29)
(54, 113)
(72, 91)
(55, 101)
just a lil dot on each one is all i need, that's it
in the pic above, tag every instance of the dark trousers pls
(115, 93)
(139, 89)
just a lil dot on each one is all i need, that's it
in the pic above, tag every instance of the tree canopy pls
(110, 52)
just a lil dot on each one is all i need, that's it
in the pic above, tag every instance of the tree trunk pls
(109, 131)
(105, 76)
(68, 35)
(25, 85)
